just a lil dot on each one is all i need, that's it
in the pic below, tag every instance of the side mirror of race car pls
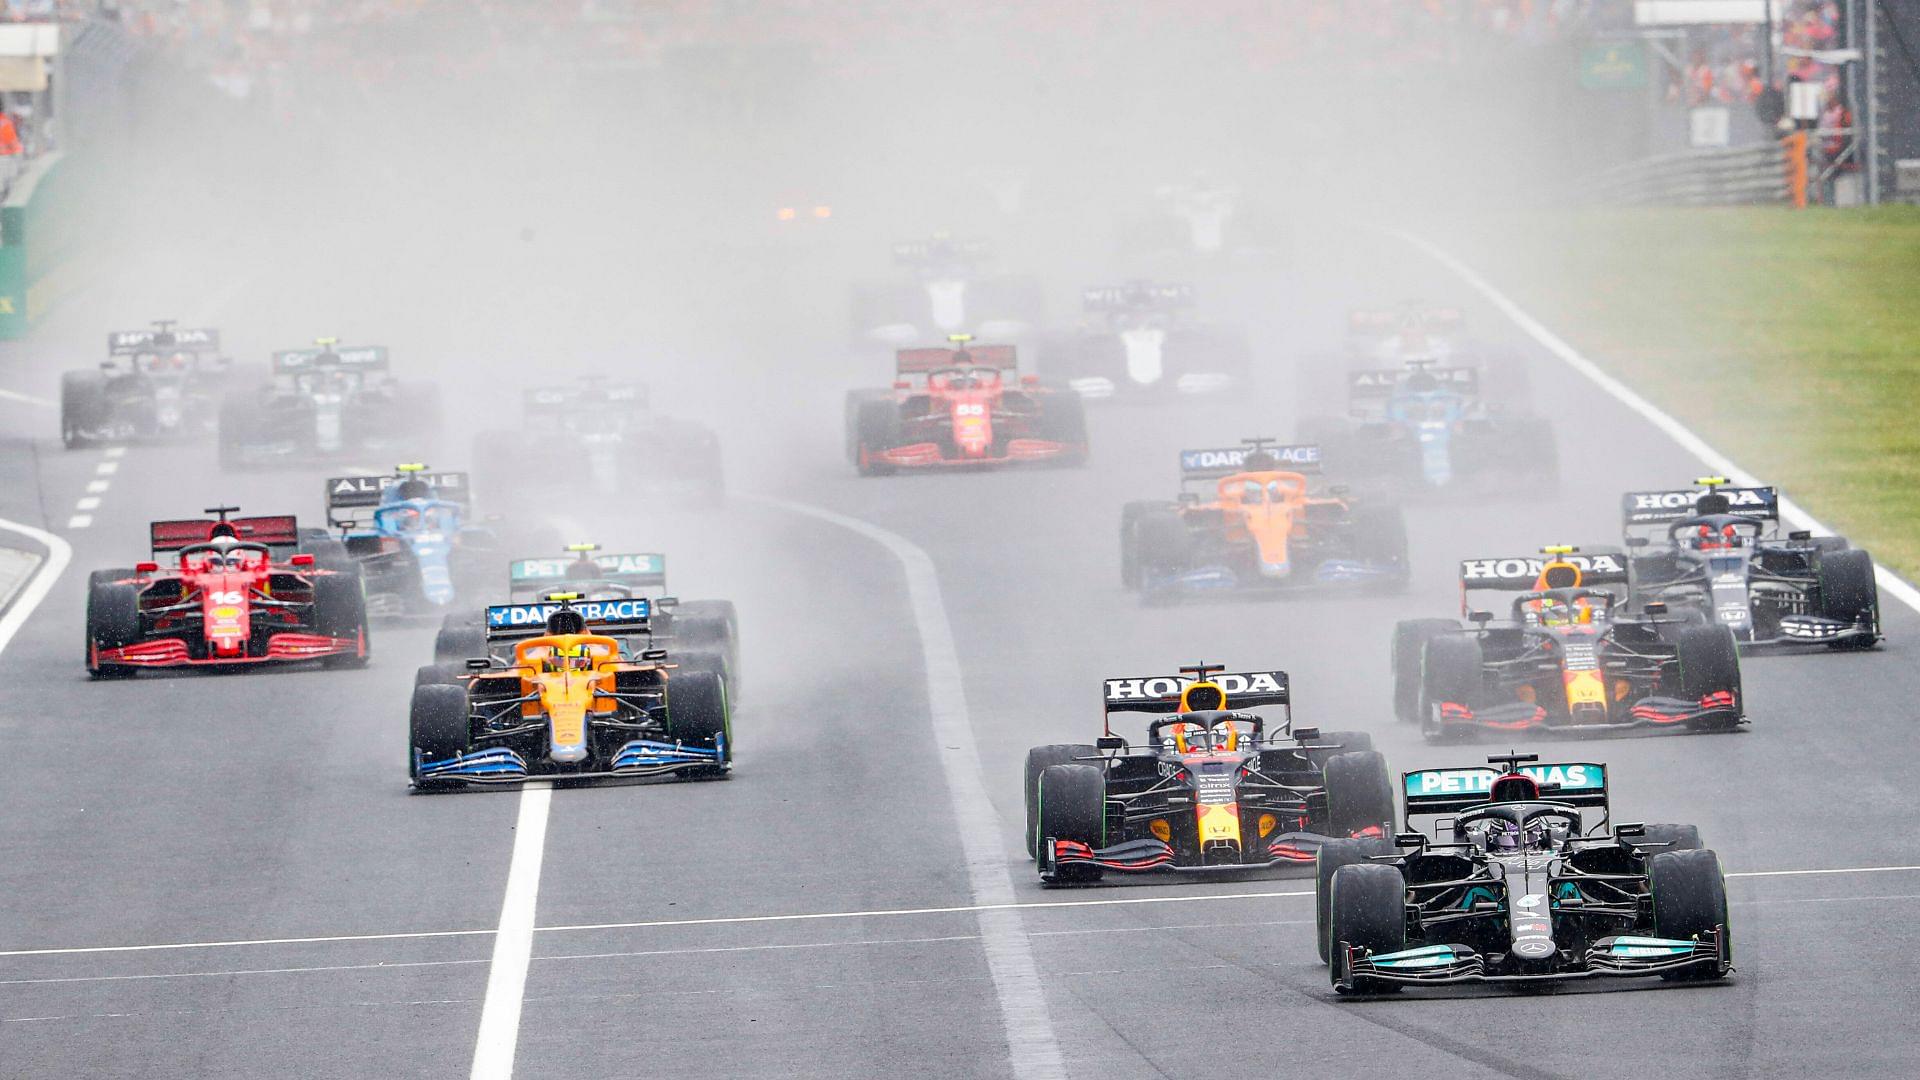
(1637, 541)
(1306, 734)
(1631, 830)
(302, 559)
(1656, 607)
(654, 656)
(146, 567)
(478, 663)
(1411, 839)
(1480, 618)
(1111, 742)
(667, 602)
(1800, 534)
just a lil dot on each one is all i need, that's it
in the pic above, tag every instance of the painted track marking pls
(59, 553)
(1033, 1051)
(1714, 460)
(79, 521)
(499, 1036)
(26, 399)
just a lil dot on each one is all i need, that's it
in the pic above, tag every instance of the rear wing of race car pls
(1643, 512)
(1381, 382)
(921, 361)
(163, 337)
(638, 571)
(357, 358)
(1450, 791)
(350, 493)
(1162, 693)
(1368, 322)
(1137, 296)
(938, 249)
(276, 531)
(1521, 573)
(1213, 464)
(510, 622)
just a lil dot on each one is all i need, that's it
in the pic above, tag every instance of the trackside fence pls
(1740, 176)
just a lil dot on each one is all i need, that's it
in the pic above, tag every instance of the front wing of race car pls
(1624, 955)
(933, 455)
(292, 646)
(1330, 574)
(1150, 855)
(636, 758)
(1720, 707)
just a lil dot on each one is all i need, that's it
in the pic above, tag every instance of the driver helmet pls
(1503, 837)
(574, 657)
(1709, 538)
(178, 361)
(413, 488)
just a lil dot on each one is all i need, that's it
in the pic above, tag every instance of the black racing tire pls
(1130, 515)
(876, 428)
(1163, 542)
(1848, 591)
(1359, 792)
(1071, 804)
(83, 406)
(1673, 837)
(1347, 741)
(1539, 448)
(1063, 419)
(710, 661)
(698, 714)
(1410, 637)
(1327, 861)
(718, 611)
(457, 642)
(439, 726)
(438, 675)
(1039, 759)
(1452, 668)
(1368, 910)
(1708, 659)
(1382, 541)
(1689, 900)
(340, 610)
(113, 618)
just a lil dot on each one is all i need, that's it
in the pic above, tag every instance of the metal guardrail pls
(1731, 177)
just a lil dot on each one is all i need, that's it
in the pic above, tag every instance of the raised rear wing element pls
(1519, 573)
(1137, 296)
(1381, 382)
(276, 531)
(530, 620)
(1202, 464)
(636, 570)
(357, 357)
(1387, 320)
(130, 342)
(1448, 791)
(1161, 693)
(353, 492)
(921, 361)
(1665, 507)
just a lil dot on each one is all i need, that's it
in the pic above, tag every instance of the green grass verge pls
(1789, 340)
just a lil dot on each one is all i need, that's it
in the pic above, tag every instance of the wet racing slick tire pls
(1410, 639)
(83, 406)
(1039, 759)
(1689, 900)
(1063, 419)
(1164, 544)
(876, 426)
(438, 675)
(1368, 910)
(712, 624)
(460, 638)
(1130, 516)
(1333, 855)
(1359, 793)
(698, 714)
(113, 618)
(438, 728)
(1451, 670)
(1669, 838)
(1381, 540)
(1071, 804)
(1848, 591)
(340, 611)
(1709, 661)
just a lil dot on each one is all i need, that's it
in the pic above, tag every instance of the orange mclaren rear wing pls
(921, 361)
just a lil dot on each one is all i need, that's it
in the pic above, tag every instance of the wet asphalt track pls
(262, 808)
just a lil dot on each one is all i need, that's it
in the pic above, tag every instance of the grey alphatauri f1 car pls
(1215, 787)
(1525, 887)
(1714, 553)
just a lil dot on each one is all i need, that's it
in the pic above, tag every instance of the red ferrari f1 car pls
(240, 592)
(963, 407)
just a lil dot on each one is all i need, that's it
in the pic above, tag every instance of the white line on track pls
(1033, 1051)
(26, 399)
(59, 553)
(98, 487)
(115, 451)
(87, 502)
(79, 521)
(107, 468)
(1790, 511)
(811, 916)
(513, 944)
